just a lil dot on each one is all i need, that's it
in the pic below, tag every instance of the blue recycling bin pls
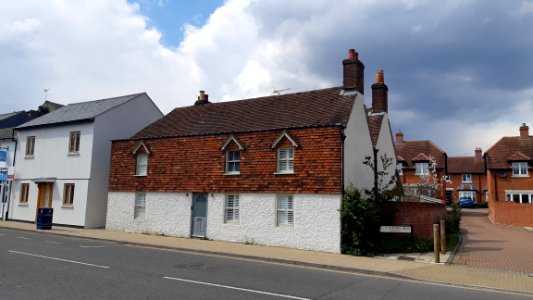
(44, 218)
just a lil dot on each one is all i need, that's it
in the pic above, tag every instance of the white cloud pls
(526, 7)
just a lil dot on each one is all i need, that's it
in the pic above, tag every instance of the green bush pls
(453, 219)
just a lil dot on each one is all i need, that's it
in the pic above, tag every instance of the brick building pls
(267, 170)
(509, 180)
(467, 177)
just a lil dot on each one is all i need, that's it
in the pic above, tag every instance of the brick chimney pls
(399, 137)
(353, 73)
(202, 99)
(380, 100)
(524, 131)
(478, 153)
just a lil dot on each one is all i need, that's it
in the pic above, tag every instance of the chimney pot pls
(478, 153)
(380, 76)
(202, 98)
(353, 73)
(352, 54)
(380, 98)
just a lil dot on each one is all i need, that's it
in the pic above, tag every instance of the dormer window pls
(233, 162)
(141, 153)
(285, 153)
(519, 169)
(422, 168)
(467, 178)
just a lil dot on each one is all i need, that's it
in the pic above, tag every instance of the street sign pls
(395, 229)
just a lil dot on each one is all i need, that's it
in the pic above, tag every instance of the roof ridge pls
(105, 99)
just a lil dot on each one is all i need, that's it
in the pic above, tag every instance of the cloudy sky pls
(460, 73)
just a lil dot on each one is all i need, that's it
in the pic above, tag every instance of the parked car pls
(466, 202)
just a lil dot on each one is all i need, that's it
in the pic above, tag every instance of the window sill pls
(520, 176)
(285, 225)
(73, 154)
(140, 175)
(284, 173)
(67, 206)
(232, 174)
(234, 223)
(23, 204)
(29, 157)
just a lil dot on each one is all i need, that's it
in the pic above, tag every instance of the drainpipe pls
(343, 137)
(375, 150)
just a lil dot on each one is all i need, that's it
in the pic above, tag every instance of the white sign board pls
(395, 229)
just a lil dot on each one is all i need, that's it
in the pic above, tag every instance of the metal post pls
(442, 236)
(436, 242)
(2, 190)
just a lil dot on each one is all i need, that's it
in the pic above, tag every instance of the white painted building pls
(63, 158)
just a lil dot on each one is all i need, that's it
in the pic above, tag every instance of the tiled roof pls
(466, 187)
(6, 133)
(78, 111)
(316, 108)
(374, 125)
(465, 164)
(518, 156)
(410, 150)
(499, 155)
(421, 157)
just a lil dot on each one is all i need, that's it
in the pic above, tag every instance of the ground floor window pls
(524, 197)
(24, 190)
(231, 209)
(140, 205)
(285, 210)
(467, 194)
(68, 194)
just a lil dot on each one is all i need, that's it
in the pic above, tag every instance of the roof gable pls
(421, 157)
(286, 135)
(518, 156)
(465, 165)
(233, 139)
(509, 149)
(78, 112)
(374, 125)
(410, 151)
(318, 108)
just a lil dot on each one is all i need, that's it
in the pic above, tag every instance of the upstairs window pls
(399, 168)
(467, 178)
(422, 168)
(68, 194)
(142, 164)
(30, 145)
(74, 142)
(233, 162)
(285, 211)
(285, 160)
(231, 209)
(520, 169)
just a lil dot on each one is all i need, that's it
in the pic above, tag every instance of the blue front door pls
(199, 214)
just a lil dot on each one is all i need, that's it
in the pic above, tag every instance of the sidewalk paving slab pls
(415, 270)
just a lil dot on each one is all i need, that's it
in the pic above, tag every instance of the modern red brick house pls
(510, 180)
(414, 163)
(467, 177)
(267, 170)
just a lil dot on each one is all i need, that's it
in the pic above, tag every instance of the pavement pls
(421, 269)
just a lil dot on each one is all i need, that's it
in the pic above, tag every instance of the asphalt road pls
(43, 266)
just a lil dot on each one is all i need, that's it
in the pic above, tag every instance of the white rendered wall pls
(357, 146)
(316, 219)
(120, 122)
(63, 214)
(165, 214)
(385, 145)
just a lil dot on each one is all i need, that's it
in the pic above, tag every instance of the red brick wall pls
(502, 211)
(409, 177)
(196, 164)
(421, 216)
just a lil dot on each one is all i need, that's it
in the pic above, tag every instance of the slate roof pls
(78, 112)
(465, 164)
(6, 133)
(411, 151)
(504, 151)
(13, 119)
(317, 108)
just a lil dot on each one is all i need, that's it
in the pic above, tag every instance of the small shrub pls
(453, 220)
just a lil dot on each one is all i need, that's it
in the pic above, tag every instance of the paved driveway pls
(487, 245)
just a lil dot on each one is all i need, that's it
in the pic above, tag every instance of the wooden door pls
(44, 197)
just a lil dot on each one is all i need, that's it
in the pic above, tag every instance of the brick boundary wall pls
(510, 213)
(421, 216)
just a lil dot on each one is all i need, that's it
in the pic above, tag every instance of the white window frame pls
(285, 164)
(232, 161)
(422, 168)
(232, 209)
(141, 166)
(285, 210)
(519, 196)
(467, 194)
(139, 209)
(399, 168)
(520, 169)
(74, 142)
(30, 146)
(467, 178)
